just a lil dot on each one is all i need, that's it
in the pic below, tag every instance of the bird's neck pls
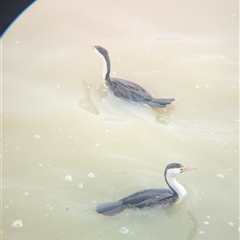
(176, 187)
(107, 59)
(106, 65)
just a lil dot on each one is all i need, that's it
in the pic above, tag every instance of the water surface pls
(68, 144)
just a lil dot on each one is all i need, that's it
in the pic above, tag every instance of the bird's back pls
(150, 197)
(128, 90)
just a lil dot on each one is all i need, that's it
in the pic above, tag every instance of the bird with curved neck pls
(151, 197)
(125, 89)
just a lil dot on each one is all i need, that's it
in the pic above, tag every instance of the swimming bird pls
(151, 197)
(128, 90)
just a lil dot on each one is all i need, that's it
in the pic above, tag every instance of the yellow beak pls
(185, 169)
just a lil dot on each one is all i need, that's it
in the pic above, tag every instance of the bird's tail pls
(160, 102)
(111, 208)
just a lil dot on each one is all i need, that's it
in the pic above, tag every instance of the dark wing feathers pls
(149, 197)
(129, 90)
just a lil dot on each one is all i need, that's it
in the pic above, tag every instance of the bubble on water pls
(97, 144)
(91, 175)
(26, 194)
(208, 217)
(17, 223)
(197, 86)
(206, 223)
(80, 185)
(123, 230)
(36, 136)
(230, 224)
(201, 232)
(69, 178)
(220, 175)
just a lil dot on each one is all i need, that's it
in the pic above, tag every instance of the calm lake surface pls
(68, 144)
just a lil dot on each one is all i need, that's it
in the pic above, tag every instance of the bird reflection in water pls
(190, 235)
(193, 232)
(86, 102)
(163, 115)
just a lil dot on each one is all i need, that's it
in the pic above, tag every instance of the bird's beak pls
(185, 169)
(89, 44)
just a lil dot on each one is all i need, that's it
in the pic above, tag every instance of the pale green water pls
(59, 120)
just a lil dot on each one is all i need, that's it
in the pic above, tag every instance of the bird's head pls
(173, 169)
(101, 50)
